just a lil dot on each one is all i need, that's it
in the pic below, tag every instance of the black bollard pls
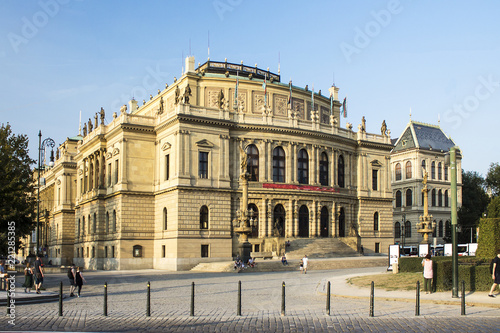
(463, 298)
(105, 298)
(283, 299)
(372, 299)
(61, 299)
(148, 301)
(328, 298)
(417, 305)
(238, 311)
(192, 300)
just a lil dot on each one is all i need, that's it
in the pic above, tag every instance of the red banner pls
(299, 187)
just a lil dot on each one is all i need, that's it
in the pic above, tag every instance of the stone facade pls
(159, 185)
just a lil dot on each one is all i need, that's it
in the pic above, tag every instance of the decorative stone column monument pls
(425, 226)
(242, 225)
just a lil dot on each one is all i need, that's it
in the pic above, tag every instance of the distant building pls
(158, 185)
(422, 147)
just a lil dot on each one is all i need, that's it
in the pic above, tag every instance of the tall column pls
(123, 162)
(335, 153)
(269, 164)
(269, 218)
(294, 166)
(263, 220)
(314, 165)
(289, 221)
(187, 154)
(180, 154)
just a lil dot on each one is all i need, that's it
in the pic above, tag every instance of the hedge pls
(475, 273)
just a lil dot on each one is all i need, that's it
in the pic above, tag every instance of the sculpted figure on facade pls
(90, 126)
(177, 95)
(187, 93)
(102, 114)
(84, 130)
(244, 161)
(363, 124)
(220, 100)
(383, 129)
(160, 107)
(96, 123)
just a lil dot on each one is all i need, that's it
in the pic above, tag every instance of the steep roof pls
(423, 136)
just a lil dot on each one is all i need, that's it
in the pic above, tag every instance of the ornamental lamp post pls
(48, 142)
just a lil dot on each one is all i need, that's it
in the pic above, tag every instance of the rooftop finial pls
(410, 114)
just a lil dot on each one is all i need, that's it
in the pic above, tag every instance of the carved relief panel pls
(280, 105)
(257, 102)
(298, 106)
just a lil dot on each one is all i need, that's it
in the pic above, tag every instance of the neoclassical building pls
(158, 185)
(422, 147)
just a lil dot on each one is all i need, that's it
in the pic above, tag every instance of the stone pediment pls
(166, 146)
(376, 164)
(205, 143)
(116, 151)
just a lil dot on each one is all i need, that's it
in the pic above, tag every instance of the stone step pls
(318, 248)
(221, 266)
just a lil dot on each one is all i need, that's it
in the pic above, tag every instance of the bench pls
(263, 255)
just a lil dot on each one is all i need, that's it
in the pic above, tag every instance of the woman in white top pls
(428, 273)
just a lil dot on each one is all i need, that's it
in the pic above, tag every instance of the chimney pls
(190, 64)
(335, 92)
(132, 105)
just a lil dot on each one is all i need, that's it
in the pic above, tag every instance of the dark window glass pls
(375, 221)
(203, 164)
(303, 167)
(167, 167)
(433, 170)
(323, 169)
(408, 170)
(253, 163)
(407, 229)
(340, 171)
(398, 199)
(375, 180)
(279, 165)
(398, 171)
(409, 198)
(204, 217)
(397, 230)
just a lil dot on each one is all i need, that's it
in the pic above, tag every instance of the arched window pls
(83, 225)
(303, 221)
(279, 165)
(165, 220)
(408, 170)
(445, 172)
(324, 225)
(94, 227)
(97, 180)
(89, 226)
(91, 177)
(253, 163)
(433, 197)
(279, 220)
(340, 171)
(375, 221)
(433, 170)
(423, 168)
(434, 229)
(204, 217)
(439, 171)
(323, 169)
(397, 230)
(409, 198)
(440, 198)
(114, 220)
(137, 251)
(398, 199)
(303, 167)
(398, 171)
(440, 229)
(446, 198)
(78, 230)
(407, 229)
(253, 215)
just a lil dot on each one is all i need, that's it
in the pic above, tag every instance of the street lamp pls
(41, 154)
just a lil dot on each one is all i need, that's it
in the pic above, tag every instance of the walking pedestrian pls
(305, 261)
(28, 278)
(38, 273)
(71, 277)
(79, 280)
(495, 273)
(428, 273)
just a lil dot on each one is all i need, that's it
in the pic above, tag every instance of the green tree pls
(17, 204)
(493, 178)
(494, 208)
(474, 203)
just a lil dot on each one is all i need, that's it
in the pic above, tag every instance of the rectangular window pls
(375, 180)
(93, 252)
(81, 185)
(105, 252)
(109, 174)
(204, 251)
(87, 251)
(203, 164)
(116, 171)
(78, 252)
(377, 247)
(113, 251)
(167, 167)
(163, 251)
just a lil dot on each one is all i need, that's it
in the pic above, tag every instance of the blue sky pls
(441, 59)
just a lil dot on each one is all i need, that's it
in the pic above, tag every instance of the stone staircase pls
(318, 248)
(220, 266)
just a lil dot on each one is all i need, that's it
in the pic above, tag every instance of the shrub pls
(488, 242)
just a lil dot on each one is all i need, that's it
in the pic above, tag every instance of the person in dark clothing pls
(495, 274)
(38, 273)
(79, 280)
